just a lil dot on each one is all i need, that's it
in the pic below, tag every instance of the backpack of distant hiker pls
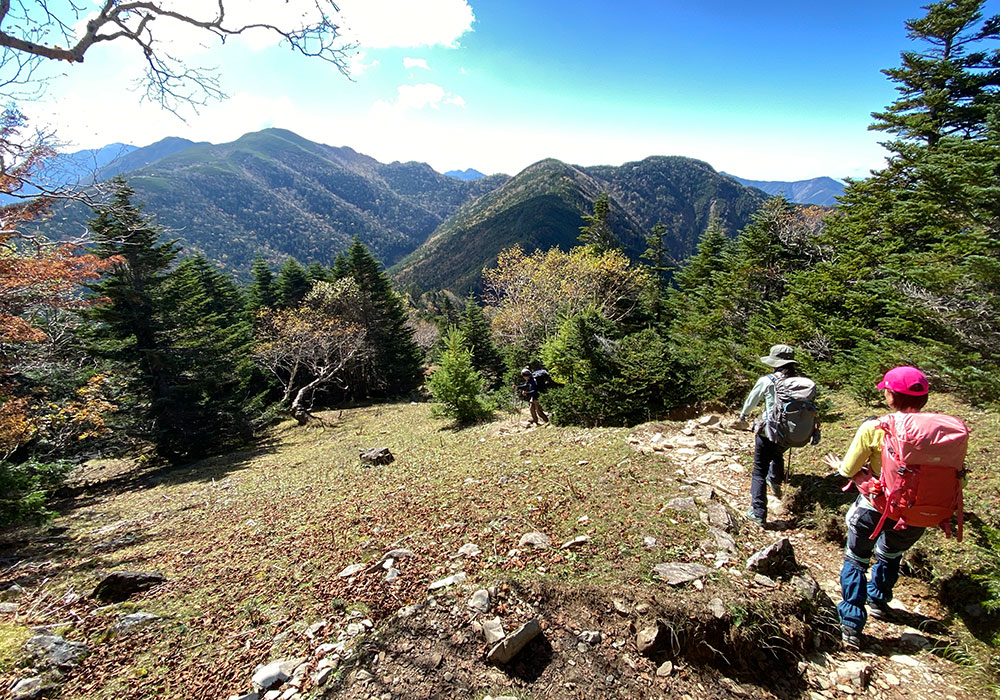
(544, 380)
(923, 458)
(792, 420)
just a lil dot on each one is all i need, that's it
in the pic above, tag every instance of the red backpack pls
(922, 468)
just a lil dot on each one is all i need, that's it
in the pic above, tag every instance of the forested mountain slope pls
(818, 190)
(542, 207)
(277, 193)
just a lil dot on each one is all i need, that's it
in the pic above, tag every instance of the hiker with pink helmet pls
(908, 468)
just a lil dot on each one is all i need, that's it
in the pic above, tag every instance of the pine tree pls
(340, 269)
(317, 273)
(485, 356)
(261, 293)
(596, 231)
(292, 284)
(394, 367)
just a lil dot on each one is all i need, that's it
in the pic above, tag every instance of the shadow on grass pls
(207, 469)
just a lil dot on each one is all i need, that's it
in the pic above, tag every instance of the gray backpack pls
(792, 420)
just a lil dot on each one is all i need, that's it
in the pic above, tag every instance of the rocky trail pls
(751, 617)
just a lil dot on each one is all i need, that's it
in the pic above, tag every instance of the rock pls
(665, 669)
(649, 639)
(11, 592)
(313, 630)
(765, 581)
(689, 442)
(377, 455)
(55, 652)
(271, 695)
(249, 696)
(507, 649)
(679, 573)
(270, 676)
(807, 586)
(322, 676)
(469, 550)
(723, 540)
(915, 639)
(856, 674)
(351, 570)
(648, 542)
(709, 458)
(480, 601)
(592, 638)
(31, 688)
(709, 419)
(717, 608)
(133, 621)
(578, 541)
(703, 493)
(122, 585)
(396, 555)
(685, 504)
(450, 581)
(355, 628)
(621, 607)
(8, 608)
(774, 560)
(720, 517)
(736, 425)
(429, 661)
(493, 630)
(391, 575)
(538, 540)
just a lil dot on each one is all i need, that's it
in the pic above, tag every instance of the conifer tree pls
(292, 284)
(317, 273)
(261, 294)
(952, 85)
(457, 386)
(596, 231)
(485, 356)
(394, 366)
(132, 329)
(340, 269)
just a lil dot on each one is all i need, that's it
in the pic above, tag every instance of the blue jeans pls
(888, 549)
(768, 465)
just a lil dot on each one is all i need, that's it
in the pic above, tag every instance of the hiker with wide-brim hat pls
(768, 456)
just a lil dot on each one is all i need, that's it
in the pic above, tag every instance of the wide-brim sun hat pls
(905, 380)
(781, 356)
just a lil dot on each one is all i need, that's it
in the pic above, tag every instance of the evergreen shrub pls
(457, 386)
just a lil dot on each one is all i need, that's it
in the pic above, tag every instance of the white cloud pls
(415, 63)
(416, 97)
(382, 24)
(356, 64)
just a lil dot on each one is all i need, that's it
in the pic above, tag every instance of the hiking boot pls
(879, 610)
(775, 487)
(753, 517)
(851, 638)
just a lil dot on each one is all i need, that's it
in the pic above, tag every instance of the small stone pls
(429, 661)
(679, 573)
(650, 638)
(775, 559)
(766, 581)
(31, 688)
(249, 696)
(397, 554)
(709, 419)
(134, 621)
(480, 601)
(272, 695)
(11, 592)
(538, 540)
(469, 550)
(684, 505)
(269, 676)
(709, 458)
(507, 649)
(720, 517)
(575, 542)
(8, 608)
(391, 575)
(377, 455)
(363, 675)
(449, 581)
(590, 637)
(493, 630)
(648, 542)
(915, 639)
(313, 630)
(620, 606)
(351, 570)
(717, 608)
(665, 669)
(807, 586)
(854, 674)
(355, 628)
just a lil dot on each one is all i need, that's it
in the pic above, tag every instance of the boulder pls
(31, 688)
(119, 586)
(270, 676)
(377, 455)
(480, 601)
(774, 560)
(507, 649)
(679, 573)
(53, 651)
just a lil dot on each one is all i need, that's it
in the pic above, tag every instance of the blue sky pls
(778, 90)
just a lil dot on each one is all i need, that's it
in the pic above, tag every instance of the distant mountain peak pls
(466, 175)
(822, 191)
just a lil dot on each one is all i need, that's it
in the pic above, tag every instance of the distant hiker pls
(529, 391)
(913, 480)
(789, 420)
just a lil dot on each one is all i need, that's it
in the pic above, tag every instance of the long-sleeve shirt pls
(763, 389)
(530, 388)
(866, 447)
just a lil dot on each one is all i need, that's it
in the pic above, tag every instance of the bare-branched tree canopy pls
(35, 31)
